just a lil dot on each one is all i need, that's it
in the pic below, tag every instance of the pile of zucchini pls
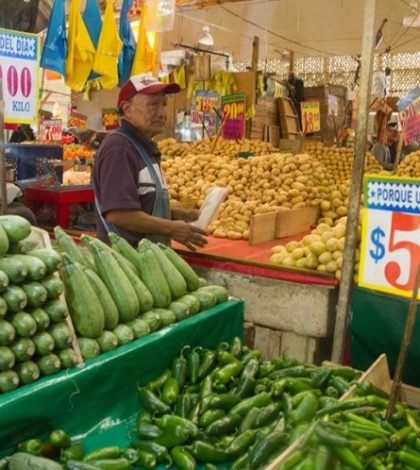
(116, 293)
(34, 337)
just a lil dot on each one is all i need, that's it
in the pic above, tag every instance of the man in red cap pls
(131, 194)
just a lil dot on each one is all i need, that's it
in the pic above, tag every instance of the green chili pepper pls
(408, 458)
(111, 452)
(250, 355)
(260, 453)
(224, 425)
(332, 392)
(325, 401)
(296, 371)
(225, 357)
(346, 456)
(156, 385)
(206, 387)
(74, 452)
(373, 447)
(400, 436)
(208, 453)
(343, 406)
(183, 405)
(241, 463)
(293, 460)
(173, 436)
(298, 431)
(183, 459)
(346, 372)
(207, 364)
(330, 438)
(306, 410)
(340, 384)
(195, 413)
(210, 416)
(260, 400)
(112, 464)
(32, 446)
(144, 416)
(60, 439)
(170, 391)
(376, 464)
(210, 466)
(225, 401)
(78, 465)
(179, 369)
(265, 369)
(158, 450)
(193, 364)
(130, 454)
(148, 431)
(367, 388)
(322, 458)
(236, 347)
(364, 432)
(241, 443)
(297, 399)
(249, 419)
(267, 415)
(228, 372)
(151, 402)
(146, 459)
(287, 404)
(223, 346)
(412, 421)
(320, 377)
(171, 421)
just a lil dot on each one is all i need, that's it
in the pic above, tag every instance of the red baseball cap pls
(145, 84)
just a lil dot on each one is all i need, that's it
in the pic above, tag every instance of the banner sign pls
(409, 112)
(19, 71)
(233, 112)
(332, 105)
(77, 120)
(203, 110)
(311, 120)
(110, 119)
(390, 251)
(50, 130)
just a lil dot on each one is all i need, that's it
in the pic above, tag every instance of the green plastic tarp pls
(377, 326)
(99, 401)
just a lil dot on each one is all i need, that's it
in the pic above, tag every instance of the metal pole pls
(3, 190)
(352, 242)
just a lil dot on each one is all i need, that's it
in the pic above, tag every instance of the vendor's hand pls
(186, 216)
(188, 234)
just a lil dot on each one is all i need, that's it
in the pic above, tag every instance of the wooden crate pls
(294, 221)
(378, 374)
(289, 122)
(262, 228)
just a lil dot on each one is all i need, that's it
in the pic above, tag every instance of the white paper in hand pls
(209, 208)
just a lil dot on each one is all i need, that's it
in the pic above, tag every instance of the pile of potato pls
(171, 148)
(410, 166)
(255, 185)
(322, 249)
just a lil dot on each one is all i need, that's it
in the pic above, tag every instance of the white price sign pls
(390, 251)
(19, 71)
(50, 130)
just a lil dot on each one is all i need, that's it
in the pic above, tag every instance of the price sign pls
(19, 71)
(390, 251)
(409, 107)
(110, 119)
(77, 120)
(233, 110)
(50, 130)
(311, 120)
(205, 101)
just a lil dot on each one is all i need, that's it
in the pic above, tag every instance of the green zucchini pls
(51, 258)
(124, 334)
(28, 372)
(31, 242)
(23, 461)
(4, 242)
(167, 317)
(155, 281)
(181, 310)
(7, 358)
(107, 341)
(7, 333)
(122, 247)
(220, 292)
(4, 281)
(36, 268)
(68, 358)
(14, 269)
(89, 348)
(44, 343)
(9, 380)
(54, 286)
(68, 246)
(61, 334)
(3, 308)
(118, 285)
(49, 364)
(140, 327)
(36, 293)
(23, 349)
(202, 282)
(107, 302)
(190, 276)
(24, 324)
(56, 310)
(15, 298)
(191, 302)
(206, 299)
(152, 319)
(17, 228)
(85, 309)
(41, 318)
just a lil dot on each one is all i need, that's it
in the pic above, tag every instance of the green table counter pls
(100, 400)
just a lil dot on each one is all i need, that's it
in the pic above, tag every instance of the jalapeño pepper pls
(156, 385)
(146, 459)
(148, 431)
(179, 369)
(206, 387)
(340, 384)
(207, 364)
(170, 421)
(60, 439)
(130, 454)
(74, 452)
(195, 413)
(242, 408)
(193, 365)
(241, 463)
(261, 452)
(267, 415)
(144, 416)
(241, 443)
(151, 402)
(210, 416)
(225, 357)
(306, 410)
(31, 446)
(159, 451)
(322, 458)
(112, 464)
(224, 425)
(320, 378)
(207, 452)
(111, 452)
(292, 461)
(250, 355)
(225, 401)
(183, 405)
(265, 369)
(170, 392)
(173, 436)
(210, 466)
(183, 459)
(225, 441)
(346, 456)
(236, 347)
(228, 372)
(249, 419)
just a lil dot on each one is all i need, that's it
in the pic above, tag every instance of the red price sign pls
(410, 121)
(77, 120)
(390, 251)
(311, 120)
(50, 130)
(233, 111)
(206, 103)
(110, 119)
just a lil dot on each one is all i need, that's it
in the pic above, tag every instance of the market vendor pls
(131, 194)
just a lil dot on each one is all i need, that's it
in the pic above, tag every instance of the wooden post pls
(291, 62)
(352, 242)
(255, 53)
(3, 188)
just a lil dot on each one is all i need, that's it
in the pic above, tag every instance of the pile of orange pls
(73, 151)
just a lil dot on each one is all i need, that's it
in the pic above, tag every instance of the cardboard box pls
(293, 221)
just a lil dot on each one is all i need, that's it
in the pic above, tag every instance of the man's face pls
(146, 112)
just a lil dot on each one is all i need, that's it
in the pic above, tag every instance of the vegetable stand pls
(104, 390)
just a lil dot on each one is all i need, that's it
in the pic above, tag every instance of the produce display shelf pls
(99, 400)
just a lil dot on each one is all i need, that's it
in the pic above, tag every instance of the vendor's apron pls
(161, 207)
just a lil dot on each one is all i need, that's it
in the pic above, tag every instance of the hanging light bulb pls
(206, 39)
